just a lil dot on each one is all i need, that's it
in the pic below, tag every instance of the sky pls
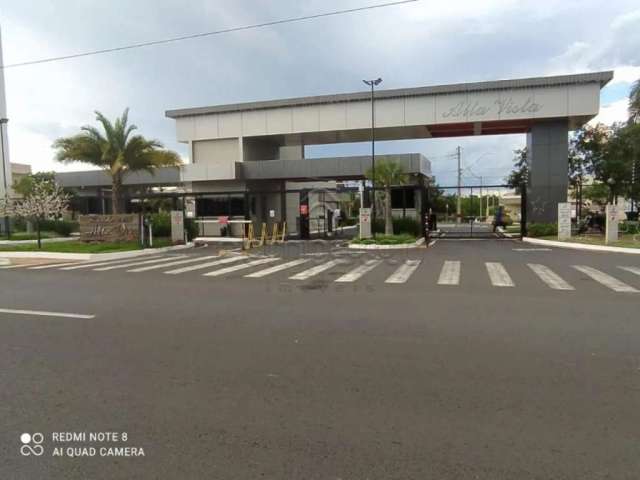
(417, 44)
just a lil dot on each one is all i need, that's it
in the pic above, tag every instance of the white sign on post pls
(177, 227)
(611, 233)
(564, 221)
(365, 223)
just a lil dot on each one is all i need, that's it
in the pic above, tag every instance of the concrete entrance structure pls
(227, 141)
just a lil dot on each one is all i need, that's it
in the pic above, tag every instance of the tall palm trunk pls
(115, 196)
(388, 217)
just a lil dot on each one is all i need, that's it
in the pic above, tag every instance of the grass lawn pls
(386, 240)
(625, 240)
(82, 247)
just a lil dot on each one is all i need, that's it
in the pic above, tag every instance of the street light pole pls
(373, 84)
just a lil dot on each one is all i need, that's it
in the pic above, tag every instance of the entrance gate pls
(475, 211)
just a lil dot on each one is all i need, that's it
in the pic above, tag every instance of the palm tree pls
(388, 174)
(116, 150)
(634, 102)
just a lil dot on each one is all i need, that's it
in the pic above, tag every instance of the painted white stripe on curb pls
(317, 269)
(90, 264)
(450, 273)
(635, 270)
(171, 264)
(133, 264)
(606, 280)
(358, 272)
(45, 314)
(200, 266)
(548, 276)
(402, 274)
(498, 275)
(277, 268)
(242, 266)
(11, 267)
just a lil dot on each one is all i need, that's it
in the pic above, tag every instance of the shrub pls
(542, 229)
(161, 224)
(409, 226)
(632, 228)
(61, 227)
(191, 227)
(386, 240)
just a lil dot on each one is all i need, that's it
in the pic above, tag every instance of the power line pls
(206, 34)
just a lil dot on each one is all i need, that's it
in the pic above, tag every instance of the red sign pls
(304, 209)
(223, 220)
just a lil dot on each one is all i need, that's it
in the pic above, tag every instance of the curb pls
(44, 240)
(94, 256)
(581, 246)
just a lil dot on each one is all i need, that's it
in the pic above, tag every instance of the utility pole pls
(480, 196)
(5, 171)
(459, 205)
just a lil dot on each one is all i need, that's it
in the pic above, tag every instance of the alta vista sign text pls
(501, 106)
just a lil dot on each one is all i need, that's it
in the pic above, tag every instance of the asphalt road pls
(238, 378)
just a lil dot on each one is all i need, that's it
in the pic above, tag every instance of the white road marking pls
(317, 269)
(89, 264)
(53, 265)
(277, 268)
(606, 280)
(242, 266)
(133, 264)
(200, 266)
(549, 277)
(171, 264)
(498, 275)
(634, 270)
(358, 272)
(450, 273)
(404, 271)
(10, 267)
(45, 314)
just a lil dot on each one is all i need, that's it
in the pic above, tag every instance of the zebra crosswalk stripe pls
(277, 268)
(549, 277)
(498, 275)
(605, 279)
(241, 266)
(133, 264)
(317, 269)
(634, 270)
(404, 271)
(450, 273)
(53, 265)
(90, 264)
(201, 266)
(171, 264)
(358, 272)
(11, 267)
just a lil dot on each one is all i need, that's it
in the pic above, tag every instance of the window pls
(397, 198)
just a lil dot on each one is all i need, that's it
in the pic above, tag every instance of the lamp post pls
(5, 173)
(373, 84)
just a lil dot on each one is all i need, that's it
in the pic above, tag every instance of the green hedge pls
(386, 240)
(61, 227)
(161, 226)
(632, 228)
(542, 229)
(408, 226)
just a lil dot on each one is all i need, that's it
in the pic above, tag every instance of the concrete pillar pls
(547, 145)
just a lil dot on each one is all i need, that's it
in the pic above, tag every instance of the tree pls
(116, 150)
(520, 174)
(634, 102)
(25, 185)
(45, 201)
(387, 174)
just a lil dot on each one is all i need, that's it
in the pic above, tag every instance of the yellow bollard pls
(284, 232)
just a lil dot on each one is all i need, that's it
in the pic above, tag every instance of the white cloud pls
(612, 112)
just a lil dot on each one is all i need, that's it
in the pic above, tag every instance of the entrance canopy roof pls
(479, 108)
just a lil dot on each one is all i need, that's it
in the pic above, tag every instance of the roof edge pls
(602, 78)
